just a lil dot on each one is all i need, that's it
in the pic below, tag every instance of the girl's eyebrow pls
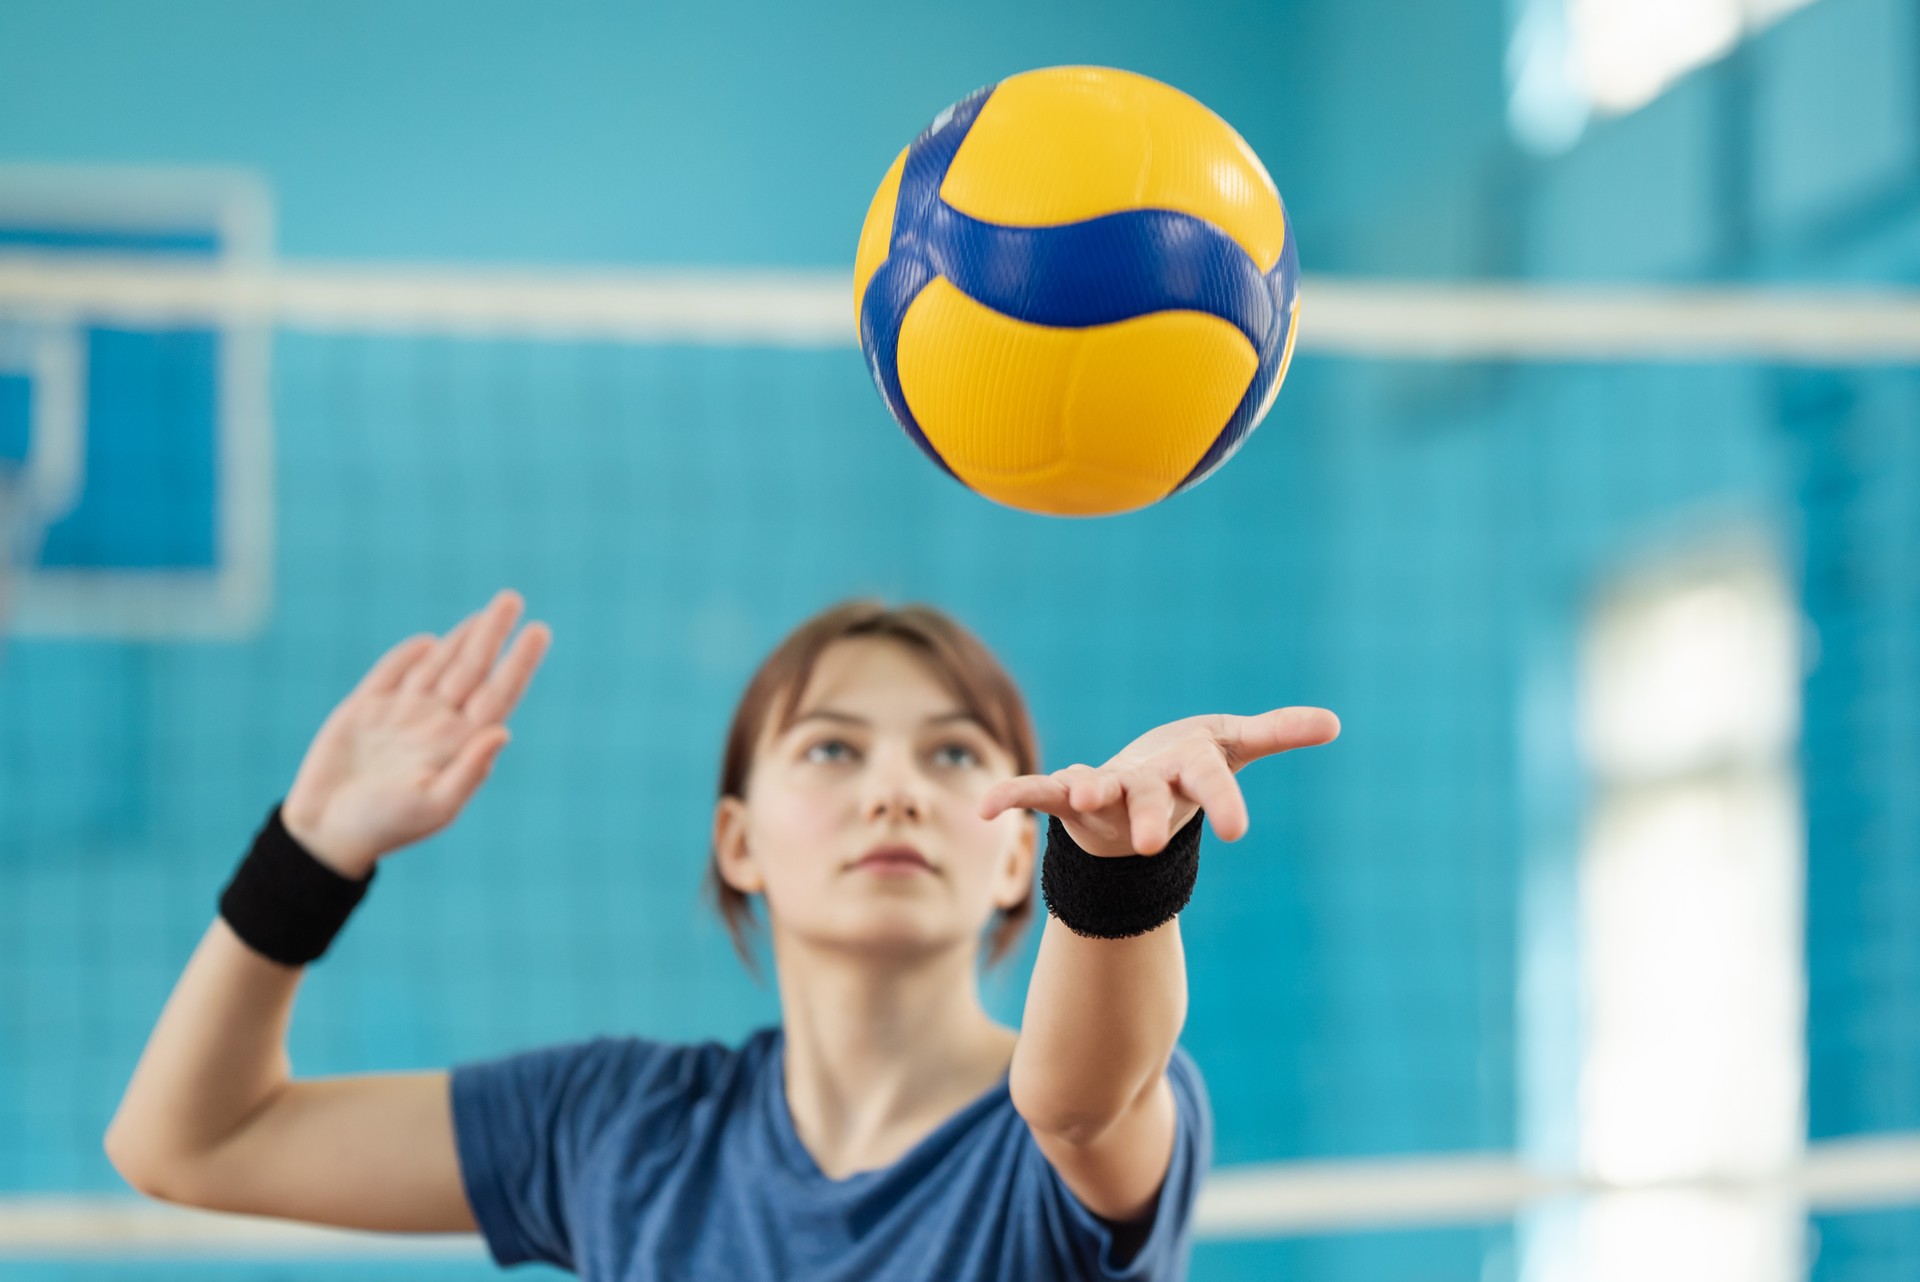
(828, 714)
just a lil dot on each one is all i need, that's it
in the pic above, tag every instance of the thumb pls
(1246, 739)
(459, 778)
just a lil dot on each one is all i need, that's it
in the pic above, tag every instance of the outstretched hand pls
(1136, 802)
(402, 754)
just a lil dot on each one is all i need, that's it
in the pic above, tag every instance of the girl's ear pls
(1016, 870)
(735, 861)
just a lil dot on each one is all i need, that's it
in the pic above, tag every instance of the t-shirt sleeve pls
(1154, 1247)
(526, 1127)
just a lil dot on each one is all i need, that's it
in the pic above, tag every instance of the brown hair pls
(963, 663)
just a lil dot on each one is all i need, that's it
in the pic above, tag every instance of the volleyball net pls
(1551, 553)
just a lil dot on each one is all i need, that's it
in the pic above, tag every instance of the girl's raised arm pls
(212, 1116)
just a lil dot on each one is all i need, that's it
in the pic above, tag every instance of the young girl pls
(875, 793)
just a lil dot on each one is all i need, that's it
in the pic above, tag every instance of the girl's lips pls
(895, 859)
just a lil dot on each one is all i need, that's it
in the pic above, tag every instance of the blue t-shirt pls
(620, 1158)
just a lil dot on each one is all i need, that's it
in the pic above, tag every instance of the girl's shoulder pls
(596, 1075)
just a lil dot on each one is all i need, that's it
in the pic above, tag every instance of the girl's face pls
(880, 757)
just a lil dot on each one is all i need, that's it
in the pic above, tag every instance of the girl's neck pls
(879, 1054)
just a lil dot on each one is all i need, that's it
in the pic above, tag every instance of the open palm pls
(400, 756)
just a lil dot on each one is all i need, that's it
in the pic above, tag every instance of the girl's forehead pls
(888, 685)
(881, 683)
(880, 675)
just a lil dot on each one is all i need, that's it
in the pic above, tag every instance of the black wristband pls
(285, 904)
(1122, 896)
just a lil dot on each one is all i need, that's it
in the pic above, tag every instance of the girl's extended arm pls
(1102, 1016)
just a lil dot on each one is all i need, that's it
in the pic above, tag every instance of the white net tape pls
(1250, 1201)
(815, 309)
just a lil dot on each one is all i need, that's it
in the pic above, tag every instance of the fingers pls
(462, 658)
(1206, 780)
(497, 697)
(1088, 789)
(469, 768)
(475, 655)
(425, 673)
(1030, 792)
(1149, 811)
(1152, 795)
(1246, 739)
(392, 667)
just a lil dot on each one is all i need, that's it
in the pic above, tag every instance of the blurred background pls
(1590, 951)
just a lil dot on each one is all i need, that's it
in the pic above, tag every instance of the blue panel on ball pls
(908, 266)
(1102, 270)
(1282, 284)
(889, 294)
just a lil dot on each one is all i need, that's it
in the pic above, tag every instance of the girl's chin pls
(894, 941)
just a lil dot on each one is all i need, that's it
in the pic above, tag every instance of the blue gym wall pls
(1409, 545)
(1798, 159)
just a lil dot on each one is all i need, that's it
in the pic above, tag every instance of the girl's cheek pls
(802, 810)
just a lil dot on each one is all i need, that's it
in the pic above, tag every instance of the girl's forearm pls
(215, 1057)
(1101, 1020)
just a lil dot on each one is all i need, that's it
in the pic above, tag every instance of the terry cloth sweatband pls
(285, 904)
(1121, 896)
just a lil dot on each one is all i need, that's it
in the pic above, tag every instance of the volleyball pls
(1077, 291)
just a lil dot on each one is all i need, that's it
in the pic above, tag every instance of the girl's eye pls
(830, 750)
(965, 756)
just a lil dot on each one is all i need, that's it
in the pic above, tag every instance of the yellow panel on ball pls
(876, 234)
(1073, 422)
(1152, 394)
(988, 391)
(1065, 144)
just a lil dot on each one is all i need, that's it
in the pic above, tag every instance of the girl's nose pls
(894, 805)
(893, 787)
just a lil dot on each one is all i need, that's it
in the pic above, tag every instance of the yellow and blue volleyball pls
(1077, 291)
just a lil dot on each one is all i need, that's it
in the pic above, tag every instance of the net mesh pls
(1400, 542)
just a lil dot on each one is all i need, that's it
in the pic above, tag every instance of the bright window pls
(1692, 970)
(1573, 59)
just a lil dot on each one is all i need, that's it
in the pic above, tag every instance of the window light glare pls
(1689, 677)
(1571, 59)
(1690, 910)
(1629, 50)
